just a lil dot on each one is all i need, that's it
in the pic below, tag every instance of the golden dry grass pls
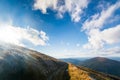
(77, 74)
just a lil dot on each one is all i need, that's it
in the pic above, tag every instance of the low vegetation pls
(77, 74)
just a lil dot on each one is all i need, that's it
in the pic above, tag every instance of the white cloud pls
(98, 20)
(97, 38)
(44, 4)
(111, 35)
(111, 51)
(73, 7)
(16, 35)
(43, 36)
(106, 52)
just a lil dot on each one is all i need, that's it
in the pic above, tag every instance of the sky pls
(63, 28)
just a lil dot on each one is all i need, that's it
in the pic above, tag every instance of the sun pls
(9, 34)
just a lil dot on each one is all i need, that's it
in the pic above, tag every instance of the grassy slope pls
(105, 65)
(77, 74)
(99, 75)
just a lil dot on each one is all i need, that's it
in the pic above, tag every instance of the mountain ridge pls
(102, 64)
(19, 63)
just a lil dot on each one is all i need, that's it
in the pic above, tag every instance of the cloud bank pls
(17, 35)
(97, 38)
(73, 7)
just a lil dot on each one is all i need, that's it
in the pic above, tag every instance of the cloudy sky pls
(63, 28)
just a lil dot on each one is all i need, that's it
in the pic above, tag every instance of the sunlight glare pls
(9, 34)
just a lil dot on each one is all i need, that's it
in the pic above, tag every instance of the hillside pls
(18, 63)
(103, 65)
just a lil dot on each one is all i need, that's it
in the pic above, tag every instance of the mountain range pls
(100, 64)
(19, 63)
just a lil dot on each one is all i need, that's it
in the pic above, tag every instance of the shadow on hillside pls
(17, 68)
(62, 73)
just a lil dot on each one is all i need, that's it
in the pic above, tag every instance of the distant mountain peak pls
(101, 59)
(103, 64)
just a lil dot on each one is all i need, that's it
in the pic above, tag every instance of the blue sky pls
(63, 28)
